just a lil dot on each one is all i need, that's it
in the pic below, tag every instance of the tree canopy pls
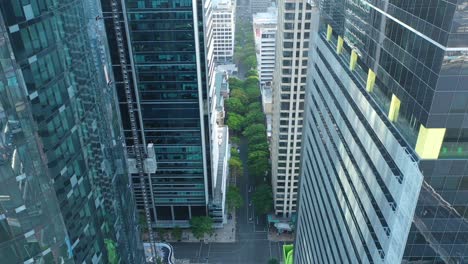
(235, 122)
(235, 105)
(240, 94)
(177, 233)
(263, 199)
(233, 198)
(255, 117)
(258, 164)
(201, 225)
(235, 166)
(254, 130)
(254, 107)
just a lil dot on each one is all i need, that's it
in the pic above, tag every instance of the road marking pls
(269, 245)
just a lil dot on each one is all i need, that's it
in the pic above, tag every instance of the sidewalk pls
(284, 237)
(227, 234)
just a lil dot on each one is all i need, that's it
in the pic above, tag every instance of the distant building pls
(223, 29)
(257, 6)
(264, 27)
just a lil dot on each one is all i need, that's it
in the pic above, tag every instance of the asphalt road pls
(252, 246)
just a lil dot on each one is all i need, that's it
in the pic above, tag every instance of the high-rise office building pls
(384, 164)
(165, 68)
(289, 82)
(64, 186)
(264, 27)
(223, 29)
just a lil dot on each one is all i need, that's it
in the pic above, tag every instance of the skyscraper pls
(289, 82)
(64, 191)
(264, 27)
(165, 67)
(384, 161)
(223, 29)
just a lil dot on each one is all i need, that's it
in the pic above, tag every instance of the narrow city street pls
(251, 246)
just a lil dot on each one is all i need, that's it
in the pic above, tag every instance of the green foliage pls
(234, 105)
(234, 82)
(252, 92)
(252, 81)
(177, 233)
(263, 199)
(233, 198)
(254, 107)
(257, 139)
(258, 164)
(234, 152)
(234, 140)
(254, 130)
(239, 94)
(254, 117)
(162, 233)
(235, 122)
(262, 146)
(201, 225)
(250, 61)
(251, 73)
(235, 166)
(273, 261)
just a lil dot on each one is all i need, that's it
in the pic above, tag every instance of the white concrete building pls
(264, 27)
(220, 150)
(223, 29)
(289, 81)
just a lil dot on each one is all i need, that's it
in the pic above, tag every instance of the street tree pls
(254, 117)
(235, 105)
(263, 146)
(234, 82)
(258, 164)
(234, 152)
(235, 122)
(252, 81)
(263, 199)
(234, 140)
(177, 233)
(254, 130)
(252, 92)
(201, 225)
(233, 198)
(250, 61)
(254, 107)
(251, 73)
(240, 94)
(235, 166)
(257, 139)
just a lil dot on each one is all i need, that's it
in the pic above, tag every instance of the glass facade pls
(64, 195)
(386, 111)
(167, 54)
